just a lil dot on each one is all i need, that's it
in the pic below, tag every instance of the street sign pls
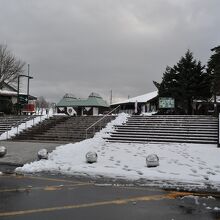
(166, 102)
(23, 99)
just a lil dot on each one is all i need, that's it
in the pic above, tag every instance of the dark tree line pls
(214, 71)
(189, 80)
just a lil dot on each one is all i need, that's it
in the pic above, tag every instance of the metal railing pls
(17, 123)
(219, 130)
(99, 121)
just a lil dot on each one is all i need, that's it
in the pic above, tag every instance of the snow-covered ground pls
(193, 165)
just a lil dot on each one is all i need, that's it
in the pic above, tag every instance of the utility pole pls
(18, 96)
(110, 97)
(28, 82)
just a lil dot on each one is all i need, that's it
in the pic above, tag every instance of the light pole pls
(18, 95)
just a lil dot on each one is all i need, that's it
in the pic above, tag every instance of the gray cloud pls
(80, 46)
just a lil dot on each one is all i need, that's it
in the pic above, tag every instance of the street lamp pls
(18, 95)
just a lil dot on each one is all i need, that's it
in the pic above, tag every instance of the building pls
(151, 102)
(9, 97)
(93, 105)
(143, 103)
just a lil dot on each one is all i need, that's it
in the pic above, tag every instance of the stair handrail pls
(219, 130)
(101, 119)
(22, 120)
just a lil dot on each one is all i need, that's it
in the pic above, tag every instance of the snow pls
(16, 130)
(192, 165)
(148, 113)
(141, 98)
(12, 93)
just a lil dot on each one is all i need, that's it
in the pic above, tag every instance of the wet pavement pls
(58, 197)
(19, 153)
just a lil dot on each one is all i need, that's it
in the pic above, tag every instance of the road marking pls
(50, 179)
(171, 195)
(40, 178)
(46, 188)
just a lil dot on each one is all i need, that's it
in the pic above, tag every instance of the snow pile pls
(148, 113)
(180, 163)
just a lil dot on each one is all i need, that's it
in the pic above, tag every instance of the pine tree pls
(214, 70)
(185, 82)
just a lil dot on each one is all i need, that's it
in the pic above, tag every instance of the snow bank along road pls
(191, 165)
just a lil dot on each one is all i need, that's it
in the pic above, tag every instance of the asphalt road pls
(45, 198)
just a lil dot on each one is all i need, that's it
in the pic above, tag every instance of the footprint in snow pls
(125, 169)
(194, 171)
(202, 163)
(139, 172)
(109, 166)
(217, 166)
(194, 175)
(160, 171)
(175, 174)
(111, 158)
(211, 172)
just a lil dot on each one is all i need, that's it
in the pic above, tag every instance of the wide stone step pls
(173, 124)
(166, 127)
(167, 133)
(172, 120)
(173, 116)
(182, 138)
(56, 140)
(66, 129)
(153, 139)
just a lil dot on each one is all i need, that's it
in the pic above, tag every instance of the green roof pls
(94, 100)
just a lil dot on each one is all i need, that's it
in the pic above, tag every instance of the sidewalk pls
(19, 153)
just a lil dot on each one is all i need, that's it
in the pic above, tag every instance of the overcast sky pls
(84, 46)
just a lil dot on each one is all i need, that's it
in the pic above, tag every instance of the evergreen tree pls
(214, 70)
(185, 82)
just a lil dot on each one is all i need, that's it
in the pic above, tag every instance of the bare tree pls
(41, 102)
(10, 66)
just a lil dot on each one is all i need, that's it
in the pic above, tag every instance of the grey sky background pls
(84, 46)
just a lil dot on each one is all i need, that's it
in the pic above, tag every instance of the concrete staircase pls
(7, 122)
(62, 129)
(168, 128)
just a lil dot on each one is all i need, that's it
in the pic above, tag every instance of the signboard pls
(166, 102)
(23, 99)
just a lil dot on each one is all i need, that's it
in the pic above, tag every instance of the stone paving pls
(19, 153)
